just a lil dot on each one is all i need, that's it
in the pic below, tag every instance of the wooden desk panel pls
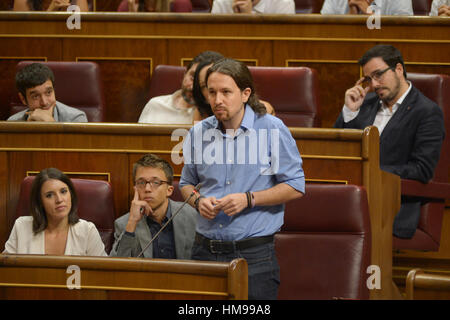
(46, 277)
(125, 44)
(329, 156)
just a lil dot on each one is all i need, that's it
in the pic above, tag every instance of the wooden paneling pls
(128, 99)
(123, 44)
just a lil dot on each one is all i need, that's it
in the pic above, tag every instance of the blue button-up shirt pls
(261, 154)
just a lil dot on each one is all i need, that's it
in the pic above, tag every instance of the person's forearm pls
(186, 191)
(21, 5)
(278, 194)
(83, 4)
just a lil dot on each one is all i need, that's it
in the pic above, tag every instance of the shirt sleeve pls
(125, 245)
(81, 117)
(434, 8)
(287, 162)
(96, 247)
(222, 6)
(399, 8)
(285, 7)
(145, 114)
(189, 173)
(11, 244)
(329, 7)
(348, 114)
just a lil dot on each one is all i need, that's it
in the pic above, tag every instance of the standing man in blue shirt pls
(248, 165)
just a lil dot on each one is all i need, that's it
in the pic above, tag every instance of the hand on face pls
(41, 102)
(139, 208)
(57, 5)
(242, 6)
(354, 96)
(359, 6)
(40, 114)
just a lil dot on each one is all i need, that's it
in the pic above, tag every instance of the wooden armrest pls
(436, 190)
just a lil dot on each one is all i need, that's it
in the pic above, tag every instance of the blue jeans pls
(263, 269)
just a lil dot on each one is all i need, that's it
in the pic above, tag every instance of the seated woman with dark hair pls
(48, 5)
(200, 92)
(54, 227)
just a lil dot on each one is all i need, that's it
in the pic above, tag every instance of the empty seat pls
(293, 92)
(166, 79)
(95, 204)
(308, 6)
(324, 246)
(201, 5)
(77, 84)
(176, 195)
(421, 7)
(181, 6)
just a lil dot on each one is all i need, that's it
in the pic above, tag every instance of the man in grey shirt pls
(35, 83)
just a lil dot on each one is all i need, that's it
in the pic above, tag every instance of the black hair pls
(205, 56)
(153, 161)
(40, 220)
(243, 79)
(33, 75)
(390, 55)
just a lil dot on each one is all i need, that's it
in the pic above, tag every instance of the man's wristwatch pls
(196, 202)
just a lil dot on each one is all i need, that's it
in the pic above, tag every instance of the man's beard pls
(393, 93)
(187, 96)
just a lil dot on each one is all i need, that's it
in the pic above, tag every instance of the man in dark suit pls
(411, 126)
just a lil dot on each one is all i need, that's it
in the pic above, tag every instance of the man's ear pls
(246, 94)
(169, 191)
(22, 99)
(399, 68)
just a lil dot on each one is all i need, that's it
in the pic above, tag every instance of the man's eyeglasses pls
(154, 184)
(377, 75)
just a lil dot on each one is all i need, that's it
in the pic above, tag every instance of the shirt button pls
(220, 225)
(228, 182)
